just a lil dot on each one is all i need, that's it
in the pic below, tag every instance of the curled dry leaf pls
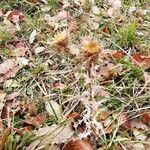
(107, 30)
(15, 16)
(78, 145)
(146, 117)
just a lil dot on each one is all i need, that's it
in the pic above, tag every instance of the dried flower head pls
(61, 39)
(91, 46)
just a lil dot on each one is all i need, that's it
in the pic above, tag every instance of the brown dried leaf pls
(16, 16)
(78, 145)
(145, 117)
(5, 112)
(118, 55)
(36, 121)
(32, 110)
(74, 115)
(4, 137)
(107, 30)
(11, 73)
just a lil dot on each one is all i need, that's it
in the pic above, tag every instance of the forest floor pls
(74, 75)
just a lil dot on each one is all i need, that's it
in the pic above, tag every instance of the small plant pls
(127, 35)
(4, 36)
(52, 4)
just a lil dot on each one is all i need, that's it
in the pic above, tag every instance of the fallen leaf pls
(32, 109)
(2, 95)
(133, 146)
(146, 117)
(7, 65)
(22, 61)
(141, 59)
(74, 115)
(78, 145)
(55, 134)
(118, 55)
(129, 125)
(16, 16)
(33, 145)
(39, 49)
(53, 108)
(4, 138)
(107, 30)
(10, 74)
(5, 112)
(32, 36)
(20, 49)
(137, 57)
(13, 95)
(36, 121)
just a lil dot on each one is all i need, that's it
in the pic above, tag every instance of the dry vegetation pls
(74, 75)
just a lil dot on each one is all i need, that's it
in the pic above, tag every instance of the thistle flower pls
(61, 39)
(91, 46)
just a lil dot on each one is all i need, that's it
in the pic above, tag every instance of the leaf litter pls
(74, 75)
